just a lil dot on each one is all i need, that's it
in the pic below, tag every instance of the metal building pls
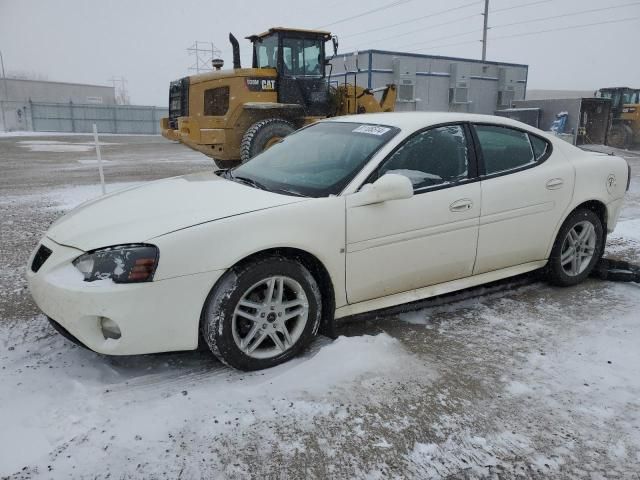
(42, 106)
(19, 90)
(435, 83)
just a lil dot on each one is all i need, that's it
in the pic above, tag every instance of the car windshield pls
(317, 161)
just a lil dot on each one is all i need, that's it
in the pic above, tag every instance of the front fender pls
(316, 226)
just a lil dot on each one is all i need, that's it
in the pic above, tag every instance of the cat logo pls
(268, 84)
(261, 84)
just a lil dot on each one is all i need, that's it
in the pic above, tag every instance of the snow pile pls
(59, 146)
(67, 198)
(625, 236)
(23, 133)
(342, 361)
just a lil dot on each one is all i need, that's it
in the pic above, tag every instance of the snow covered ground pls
(526, 382)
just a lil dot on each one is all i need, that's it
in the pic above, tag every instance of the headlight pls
(121, 263)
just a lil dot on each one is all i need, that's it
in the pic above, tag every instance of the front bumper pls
(157, 316)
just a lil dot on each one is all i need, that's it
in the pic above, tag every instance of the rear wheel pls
(578, 247)
(262, 314)
(262, 135)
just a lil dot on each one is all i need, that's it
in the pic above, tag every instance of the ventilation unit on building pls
(404, 76)
(458, 83)
(506, 87)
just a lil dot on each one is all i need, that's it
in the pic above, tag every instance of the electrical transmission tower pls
(120, 89)
(203, 53)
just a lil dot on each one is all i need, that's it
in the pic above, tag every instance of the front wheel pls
(578, 247)
(262, 314)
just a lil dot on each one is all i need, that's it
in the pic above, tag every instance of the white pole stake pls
(95, 138)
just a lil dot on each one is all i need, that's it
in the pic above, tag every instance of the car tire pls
(573, 257)
(263, 134)
(241, 322)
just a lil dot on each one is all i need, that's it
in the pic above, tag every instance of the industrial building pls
(435, 83)
(20, 90)
(43, 106)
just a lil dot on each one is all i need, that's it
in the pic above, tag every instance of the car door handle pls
(461, 205)
(555, 183)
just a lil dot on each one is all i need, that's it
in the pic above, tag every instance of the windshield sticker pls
(371, 129)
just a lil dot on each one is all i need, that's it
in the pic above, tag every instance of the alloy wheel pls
(270, 317)
(578, 248)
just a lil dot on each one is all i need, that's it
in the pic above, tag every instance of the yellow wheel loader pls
(625, 112)
(232, 115)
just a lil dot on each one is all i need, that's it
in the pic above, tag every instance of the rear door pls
(430, 238)
(526, 188)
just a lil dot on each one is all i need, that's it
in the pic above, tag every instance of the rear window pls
(540, 147)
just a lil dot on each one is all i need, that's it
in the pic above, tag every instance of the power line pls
(423, 28)
(565, 15)
(446, 37)
(519, 6)
(569, 27)
(435, 14)
(362, 14)
(439, 24)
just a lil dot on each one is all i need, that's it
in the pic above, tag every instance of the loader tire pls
(620, 136)
(262, 134)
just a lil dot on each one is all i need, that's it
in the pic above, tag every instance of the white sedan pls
(346, 216)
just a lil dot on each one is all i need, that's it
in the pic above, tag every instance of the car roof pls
(417, 120)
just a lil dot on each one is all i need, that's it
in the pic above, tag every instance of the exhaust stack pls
(236, 50)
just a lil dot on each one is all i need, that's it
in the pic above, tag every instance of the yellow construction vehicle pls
(625, 112)
(232, 115)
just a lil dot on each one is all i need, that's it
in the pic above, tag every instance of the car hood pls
(141, 213)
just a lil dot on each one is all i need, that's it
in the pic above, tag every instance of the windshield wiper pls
(247, 181)
(228, 174)
(289, 192)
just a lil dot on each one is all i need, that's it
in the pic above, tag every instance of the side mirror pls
(390, 186)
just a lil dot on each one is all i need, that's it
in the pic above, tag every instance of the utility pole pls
(6, 93)
(484, 30)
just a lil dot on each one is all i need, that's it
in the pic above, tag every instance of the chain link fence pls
(77, 118)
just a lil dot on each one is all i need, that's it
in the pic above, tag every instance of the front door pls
(401, 245)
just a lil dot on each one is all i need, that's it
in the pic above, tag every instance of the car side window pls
(437, 156)
(504, 148)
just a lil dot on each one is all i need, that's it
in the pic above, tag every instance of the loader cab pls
(619, 97)
(298, 56)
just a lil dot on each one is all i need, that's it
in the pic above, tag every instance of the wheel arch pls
(311, 263)
(599, 208)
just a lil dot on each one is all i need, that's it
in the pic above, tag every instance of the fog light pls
(109, 328)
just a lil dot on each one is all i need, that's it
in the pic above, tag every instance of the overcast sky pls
(146, 41)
